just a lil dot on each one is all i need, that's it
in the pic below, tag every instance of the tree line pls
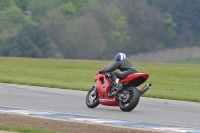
(96, 29)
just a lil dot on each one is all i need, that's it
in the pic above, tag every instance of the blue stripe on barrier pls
(141, 125)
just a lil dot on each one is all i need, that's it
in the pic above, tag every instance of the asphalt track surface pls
(149, 110)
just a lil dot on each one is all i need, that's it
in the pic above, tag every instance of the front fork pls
(94, 92)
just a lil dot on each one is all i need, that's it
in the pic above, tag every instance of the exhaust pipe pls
(144, 89)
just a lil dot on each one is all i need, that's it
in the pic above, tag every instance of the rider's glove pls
(101, 71)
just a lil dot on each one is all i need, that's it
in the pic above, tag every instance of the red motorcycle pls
(127, 99)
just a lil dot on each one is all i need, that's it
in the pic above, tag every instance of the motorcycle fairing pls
(103, 86)
(135, 79)
(109, 101)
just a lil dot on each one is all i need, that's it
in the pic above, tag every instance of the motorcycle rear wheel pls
(92, 99)
(131, 99)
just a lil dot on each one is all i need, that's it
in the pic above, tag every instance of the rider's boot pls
(117, 86)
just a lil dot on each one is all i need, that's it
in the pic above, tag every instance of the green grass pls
(169, 80)
(190, 61)
(24, 130)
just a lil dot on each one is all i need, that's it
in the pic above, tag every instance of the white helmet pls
(120, 56)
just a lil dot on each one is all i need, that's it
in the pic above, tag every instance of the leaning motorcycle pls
(127, 99)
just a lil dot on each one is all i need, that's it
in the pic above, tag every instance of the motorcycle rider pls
(124, 65)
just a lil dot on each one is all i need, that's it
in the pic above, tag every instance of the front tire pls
(130, 99)
(92, 99)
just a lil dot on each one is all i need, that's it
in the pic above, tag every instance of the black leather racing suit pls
(125, 66)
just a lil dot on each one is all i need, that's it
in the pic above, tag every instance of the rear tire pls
(92, 99)
(132, 98)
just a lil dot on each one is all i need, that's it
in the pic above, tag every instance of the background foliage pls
(96, 29)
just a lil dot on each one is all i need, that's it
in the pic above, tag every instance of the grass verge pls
(24, 130)
(169, 80)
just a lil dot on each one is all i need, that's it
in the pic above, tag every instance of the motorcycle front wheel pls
(92, 99)
(130, 99)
